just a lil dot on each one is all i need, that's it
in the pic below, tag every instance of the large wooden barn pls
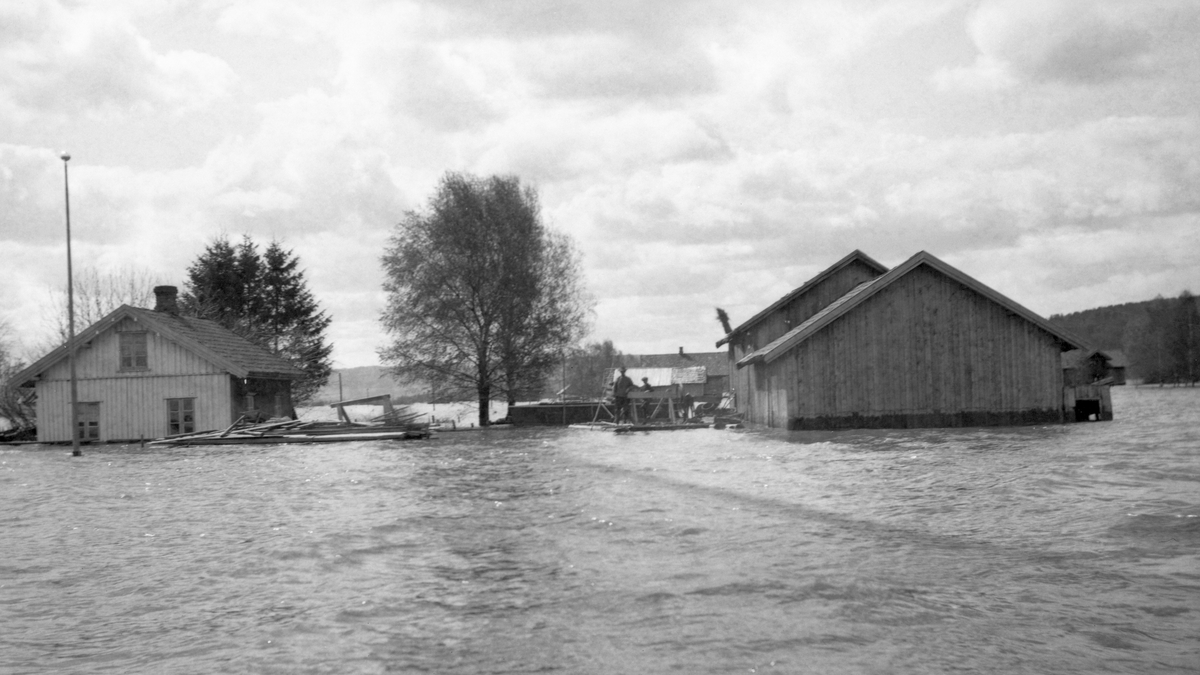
(149, 373)
(921, 345)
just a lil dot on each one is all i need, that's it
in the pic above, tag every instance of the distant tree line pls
(1160, 337)
(584, 372)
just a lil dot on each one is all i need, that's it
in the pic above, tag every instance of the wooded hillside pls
(1160, 337)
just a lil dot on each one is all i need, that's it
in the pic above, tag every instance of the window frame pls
(131, 345)
(178, 421)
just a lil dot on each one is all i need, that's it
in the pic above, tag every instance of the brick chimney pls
(164, 299)
(681, 351)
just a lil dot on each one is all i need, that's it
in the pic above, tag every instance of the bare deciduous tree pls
(96, 295)
(15, 412)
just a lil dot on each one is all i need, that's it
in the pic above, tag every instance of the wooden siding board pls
(925, 347)
(751, 398)
(132, 408)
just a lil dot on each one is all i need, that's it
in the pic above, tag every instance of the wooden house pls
(921, 345)
(145, 373)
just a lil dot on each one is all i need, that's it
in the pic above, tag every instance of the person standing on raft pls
(621, 388)
(646, 409)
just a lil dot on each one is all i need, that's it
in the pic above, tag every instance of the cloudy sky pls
(701, 153)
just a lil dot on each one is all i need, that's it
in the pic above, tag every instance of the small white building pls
(145, 374)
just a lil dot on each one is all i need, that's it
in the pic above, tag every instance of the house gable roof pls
(863, 291)
(208, 339)
(855, 256)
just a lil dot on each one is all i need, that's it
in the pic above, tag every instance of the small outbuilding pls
(145, 373)
(920, 345)
(704, 375)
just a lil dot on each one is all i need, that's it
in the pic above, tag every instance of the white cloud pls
(699, 153)
(1072, 42)
(67, 62)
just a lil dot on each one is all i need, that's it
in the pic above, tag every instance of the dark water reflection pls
(1066, 549)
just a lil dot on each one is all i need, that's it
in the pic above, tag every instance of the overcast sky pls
(700, 153)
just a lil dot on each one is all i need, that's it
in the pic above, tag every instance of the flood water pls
(1062, 549)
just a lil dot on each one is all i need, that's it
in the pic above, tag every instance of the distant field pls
(460, 414)
(367, 381)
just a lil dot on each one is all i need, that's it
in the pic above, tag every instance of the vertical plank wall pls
(925, 347)
(132, 404)
(742, 380)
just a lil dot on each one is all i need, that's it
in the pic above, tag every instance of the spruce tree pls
(265, 299)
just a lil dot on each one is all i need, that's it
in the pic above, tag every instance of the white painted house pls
(145, 374)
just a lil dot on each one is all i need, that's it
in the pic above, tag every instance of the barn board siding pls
(925, 348)
(794, 313)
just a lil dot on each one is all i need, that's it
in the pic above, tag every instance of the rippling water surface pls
(1064, 549)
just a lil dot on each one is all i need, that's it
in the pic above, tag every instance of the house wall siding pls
(926, 351)
(133, 408)
(132, 404)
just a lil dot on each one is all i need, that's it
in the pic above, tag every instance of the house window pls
(89, 421)
(181, 416)
(133, 351)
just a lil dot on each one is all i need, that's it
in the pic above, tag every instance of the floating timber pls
(602, 426)
(626, 428)
(295, 431)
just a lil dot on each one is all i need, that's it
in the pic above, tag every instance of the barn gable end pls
(922, 345)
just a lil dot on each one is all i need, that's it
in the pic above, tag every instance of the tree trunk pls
(484, 405)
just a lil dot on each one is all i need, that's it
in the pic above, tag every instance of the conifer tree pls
(265, 299)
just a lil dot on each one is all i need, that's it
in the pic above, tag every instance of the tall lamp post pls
(75, 452)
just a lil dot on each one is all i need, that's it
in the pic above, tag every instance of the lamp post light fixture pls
(75, 452)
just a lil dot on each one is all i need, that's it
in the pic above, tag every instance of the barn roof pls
(865, 290)
(855, 256)
(208, 339)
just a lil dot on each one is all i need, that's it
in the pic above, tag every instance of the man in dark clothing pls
(621, 388)
(647, 404)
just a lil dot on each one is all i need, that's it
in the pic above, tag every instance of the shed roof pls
(665, 377)
(865, 290)
(855, 256)
(715, 363)
(208, 339)
(1113, 358)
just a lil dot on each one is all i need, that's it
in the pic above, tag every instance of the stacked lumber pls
(392, 426)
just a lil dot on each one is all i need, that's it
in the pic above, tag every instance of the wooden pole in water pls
(75, 452)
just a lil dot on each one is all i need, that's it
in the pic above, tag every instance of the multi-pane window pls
(133, 351)
(89, 421)
(181, 416)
